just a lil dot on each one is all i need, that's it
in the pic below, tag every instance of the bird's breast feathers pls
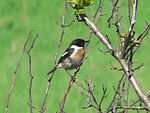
(78, 53)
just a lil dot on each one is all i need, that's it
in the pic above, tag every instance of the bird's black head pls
(79, 42)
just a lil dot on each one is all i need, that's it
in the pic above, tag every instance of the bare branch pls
(62, 34)
(132, 108)
(118, 56)
(98, 12)
(114, 10)
(43, 107)
(129, 10)
(67, 25)
(15, 73)
(35, 107)
(102, 98)
(130, 31)
(115, 95)
(96, 16)
(72, 80)
(30, 70)
(114, 67)
(141, 37)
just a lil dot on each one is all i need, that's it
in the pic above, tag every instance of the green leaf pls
(80, 5)
(87, 3)
(79, 11)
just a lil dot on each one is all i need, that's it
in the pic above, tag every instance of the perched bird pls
(72, 57)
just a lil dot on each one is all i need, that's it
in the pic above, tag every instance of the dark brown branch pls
(118, 30)
(114, 67)
(30, 70)
(90, 106)
(90, 91)
(141, 38)
(72, 80)
(102, 98)
(138, 67)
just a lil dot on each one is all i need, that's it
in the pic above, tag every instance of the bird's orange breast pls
(79, 54)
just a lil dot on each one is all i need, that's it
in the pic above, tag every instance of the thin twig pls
(118, 56)
(132, 108)
(67, 25)
(35, 107)
(62, 34)
(87, 55)
(129, 10)
(115, 95)
(72, 80)
(43, 108)
(30, 71)
(15, 73)
(114, 10)
(96, 17)
(103, 96)
(141, 38)
(127, 96)
(130, 31)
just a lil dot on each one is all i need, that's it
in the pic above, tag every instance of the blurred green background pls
(19, 17)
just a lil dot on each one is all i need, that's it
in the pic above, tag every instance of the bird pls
(72, 57)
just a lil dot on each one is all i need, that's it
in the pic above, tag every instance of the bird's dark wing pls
(66, 54)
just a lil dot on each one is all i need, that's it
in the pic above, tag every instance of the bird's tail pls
(52, 70)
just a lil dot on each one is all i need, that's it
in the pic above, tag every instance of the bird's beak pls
(87, 41)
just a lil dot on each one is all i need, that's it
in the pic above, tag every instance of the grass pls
(18, 18)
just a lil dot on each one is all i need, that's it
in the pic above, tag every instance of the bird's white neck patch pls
(75, 47)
